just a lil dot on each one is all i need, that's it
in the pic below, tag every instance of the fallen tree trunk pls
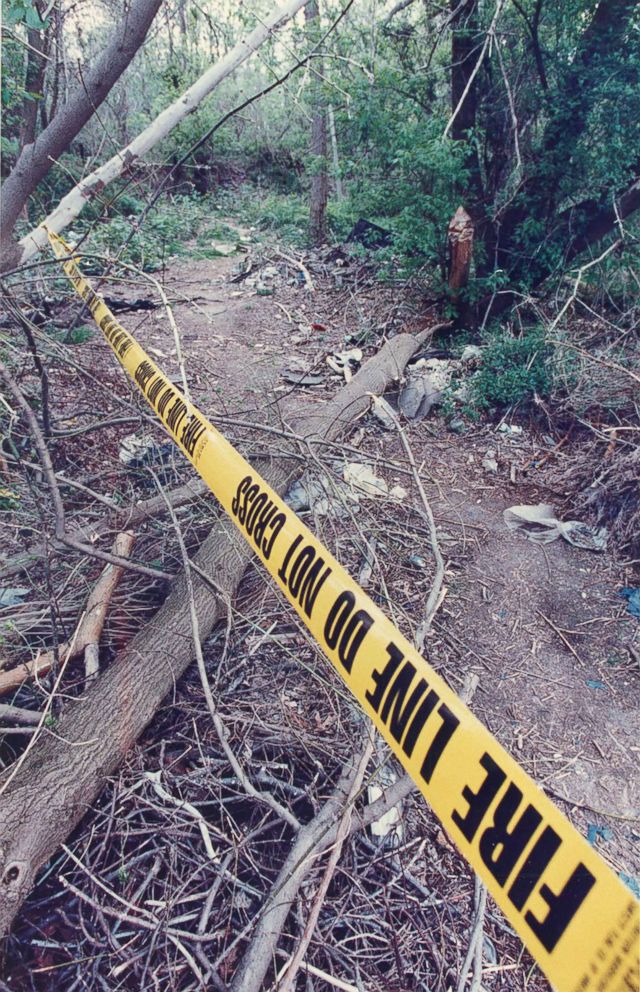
(47, 796)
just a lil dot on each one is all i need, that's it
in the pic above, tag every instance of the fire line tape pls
(578, 920)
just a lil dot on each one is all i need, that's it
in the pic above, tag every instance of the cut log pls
(63, 774)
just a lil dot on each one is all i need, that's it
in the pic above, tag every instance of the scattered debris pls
(307, 493)
(389, 825)
(594, 831)
(540, 524)
(223, 248)
(472, 353)
(345, 362)
(370, 235)
(384, 413)
(366, 570)
(139, 452)
(418, 396)
(489, 462)
(632, 597)
(457, 426)
(298, 373)
(595, 684)
(511, 430)
(13, 596)
(363, 481)
(119, 306)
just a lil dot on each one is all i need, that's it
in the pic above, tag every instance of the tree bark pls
(49, 793)
(39, 46)
(318, 144)
(538, 196)
(461, 250)
(464, 53)
(36, 158)
(71, 205)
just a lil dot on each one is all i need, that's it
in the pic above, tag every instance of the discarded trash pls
(302, 378)
(511, 430)
(137, 452)
(305, 494)
(398, 493)
(632, 597)
(417, 397)
(489, 462)
(418, 561)
(366, 571)
(594, 831)
(13, 596)
(583, 536)
(439, 370)
(363, 480)
(389, 825)
(472, 353)
(595, 684)
(458, 426)
(370, 235)
(384, 413)
(631, 883)
(540, 524)
(345, 362)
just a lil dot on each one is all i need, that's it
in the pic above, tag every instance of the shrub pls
(513, 370)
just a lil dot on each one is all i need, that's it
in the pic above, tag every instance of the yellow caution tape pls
(579, 921)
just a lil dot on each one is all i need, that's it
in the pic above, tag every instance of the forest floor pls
(542, 627)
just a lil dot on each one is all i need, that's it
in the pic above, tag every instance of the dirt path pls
(543, 627)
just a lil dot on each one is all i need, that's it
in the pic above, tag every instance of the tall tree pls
(318, 144)
(555, 171)
(71, 205)
(465, 52)
(37, 156)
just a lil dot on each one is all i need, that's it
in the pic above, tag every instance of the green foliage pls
(24, 12)
(513, 370)
(165, 232)
(8, 500)
(286, 215)
(78, 335)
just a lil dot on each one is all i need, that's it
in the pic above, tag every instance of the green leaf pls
(34, 20)
(15, 14)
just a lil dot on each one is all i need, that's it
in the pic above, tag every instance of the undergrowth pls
(514, 370)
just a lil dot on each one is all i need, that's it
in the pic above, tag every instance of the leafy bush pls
(165, 232)
(288, 215)
(513, 370)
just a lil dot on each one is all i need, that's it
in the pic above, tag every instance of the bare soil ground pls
(543, 627)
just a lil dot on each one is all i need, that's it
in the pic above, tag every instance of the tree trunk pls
(71, 205)
(318, 145)
(464, 54)
(460, 236)
(49, 793)
(334, 156)
(36, 158)
(33, 83)
(538, 196)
